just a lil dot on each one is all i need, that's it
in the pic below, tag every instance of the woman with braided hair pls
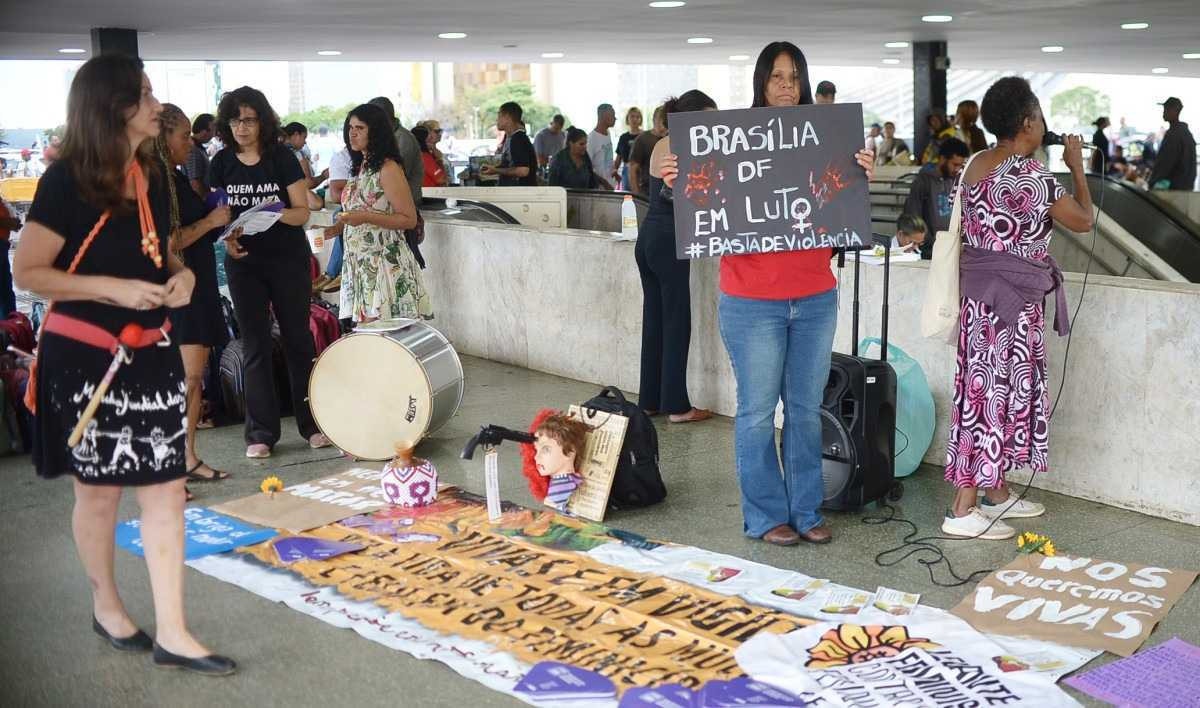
(200, 325)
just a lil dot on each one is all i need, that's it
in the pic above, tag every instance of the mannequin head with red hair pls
(558, 449)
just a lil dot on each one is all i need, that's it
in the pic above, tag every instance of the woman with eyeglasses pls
(778, 313)
(268, 271)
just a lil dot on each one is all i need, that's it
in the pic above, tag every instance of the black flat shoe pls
(138, 641)
(211, 665)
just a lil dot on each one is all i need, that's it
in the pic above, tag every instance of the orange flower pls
(856, 644)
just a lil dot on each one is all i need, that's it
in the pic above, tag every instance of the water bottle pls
(629, 222)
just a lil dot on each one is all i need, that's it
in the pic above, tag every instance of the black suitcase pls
(858, 420)
(233, 384)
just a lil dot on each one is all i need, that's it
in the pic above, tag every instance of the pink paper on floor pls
(1159, 677)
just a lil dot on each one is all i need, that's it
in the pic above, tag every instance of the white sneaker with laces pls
(976, 525)
(1010, 508)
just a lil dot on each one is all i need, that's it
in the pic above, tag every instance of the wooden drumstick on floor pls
(130, 334)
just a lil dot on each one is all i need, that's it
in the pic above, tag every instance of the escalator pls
(1166, 231)
(467, 210)
(600, 210)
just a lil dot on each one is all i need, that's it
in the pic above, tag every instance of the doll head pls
(575, 441)
(558, 448)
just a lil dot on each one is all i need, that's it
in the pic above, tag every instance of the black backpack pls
(637, 482)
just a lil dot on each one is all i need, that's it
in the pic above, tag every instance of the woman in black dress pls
(200, 325)
(268, 271)
(91, 245)
(666, 291)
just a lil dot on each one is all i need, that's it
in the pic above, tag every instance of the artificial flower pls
(271, 484)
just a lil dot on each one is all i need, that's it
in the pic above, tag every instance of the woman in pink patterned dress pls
(1000, 415)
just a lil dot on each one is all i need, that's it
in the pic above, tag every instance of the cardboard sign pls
(306, 506)
(601, 456)
(1079, 602)
(204, 533)
(765, 180)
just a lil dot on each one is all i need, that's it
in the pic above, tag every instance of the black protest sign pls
(764, 180)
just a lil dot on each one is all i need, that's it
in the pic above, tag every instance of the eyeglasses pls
(243, 123)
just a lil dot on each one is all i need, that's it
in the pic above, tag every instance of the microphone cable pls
(930, 554)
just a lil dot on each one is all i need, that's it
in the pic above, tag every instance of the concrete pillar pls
(110, 40)
(930, 64)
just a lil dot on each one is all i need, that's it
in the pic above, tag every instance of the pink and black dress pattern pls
(1000, 414)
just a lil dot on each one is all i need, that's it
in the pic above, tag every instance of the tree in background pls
(321, 117)
(1079, 107)
(474, 112)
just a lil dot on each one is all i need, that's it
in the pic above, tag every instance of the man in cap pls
(1175, 167)
(826, 92)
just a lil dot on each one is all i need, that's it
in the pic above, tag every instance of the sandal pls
(695, 415)
(217, 475)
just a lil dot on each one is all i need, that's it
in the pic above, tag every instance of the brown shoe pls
(817, 534)
(781, 535)
(695, 415)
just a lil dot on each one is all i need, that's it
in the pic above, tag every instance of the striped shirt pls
(561, 488)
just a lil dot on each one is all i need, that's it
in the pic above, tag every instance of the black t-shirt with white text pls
(249, 185)
(518, 152)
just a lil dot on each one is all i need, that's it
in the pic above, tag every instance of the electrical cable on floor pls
(911, 544)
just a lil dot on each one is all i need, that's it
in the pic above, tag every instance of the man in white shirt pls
(600, 145)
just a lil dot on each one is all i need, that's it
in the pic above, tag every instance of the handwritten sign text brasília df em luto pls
(765, 180)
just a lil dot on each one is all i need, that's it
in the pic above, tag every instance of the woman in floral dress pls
(1000, 415)
(380, 275)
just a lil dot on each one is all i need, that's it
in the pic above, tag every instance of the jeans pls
(334, 268)
(779, 349)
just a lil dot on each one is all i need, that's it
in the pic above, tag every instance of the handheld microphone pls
(1053, 138)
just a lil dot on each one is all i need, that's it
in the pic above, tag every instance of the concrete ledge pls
(569, 303)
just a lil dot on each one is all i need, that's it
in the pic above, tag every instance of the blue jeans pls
(334, 268)
(779, 349)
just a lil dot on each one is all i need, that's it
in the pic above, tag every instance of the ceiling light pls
(937, 18)
(1192, 55)
(1136, 25)
(662, 4)
(891, 61)
(552, 55)
(1052, 49)
(700, 40)
(329, 53)
(72, 50)
(452, 35)
(739, 57)
(895, 45)
(1159, 70)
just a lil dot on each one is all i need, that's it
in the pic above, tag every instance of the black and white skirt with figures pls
(138, 434)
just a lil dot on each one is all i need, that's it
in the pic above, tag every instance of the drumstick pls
(129, 334)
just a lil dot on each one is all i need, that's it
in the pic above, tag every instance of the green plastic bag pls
(915, 415)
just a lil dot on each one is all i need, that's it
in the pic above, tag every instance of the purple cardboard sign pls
(1163, 675)
(297, 548)
(746, 692)
(551, 680)
(216, 198)
(671, 695)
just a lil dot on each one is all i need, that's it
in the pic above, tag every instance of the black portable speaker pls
(858, 420)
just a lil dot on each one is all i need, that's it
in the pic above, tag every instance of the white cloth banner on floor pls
(475, 660)
(802, 661)
(772, 587)
(1022, 663)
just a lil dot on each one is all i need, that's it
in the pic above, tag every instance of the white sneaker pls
(1010, 508)
(976, 525)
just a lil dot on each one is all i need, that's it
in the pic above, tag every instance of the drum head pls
(368, 393)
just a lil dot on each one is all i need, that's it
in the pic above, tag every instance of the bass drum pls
(388, 383)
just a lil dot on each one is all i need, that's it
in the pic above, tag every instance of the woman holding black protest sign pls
(778, 313)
